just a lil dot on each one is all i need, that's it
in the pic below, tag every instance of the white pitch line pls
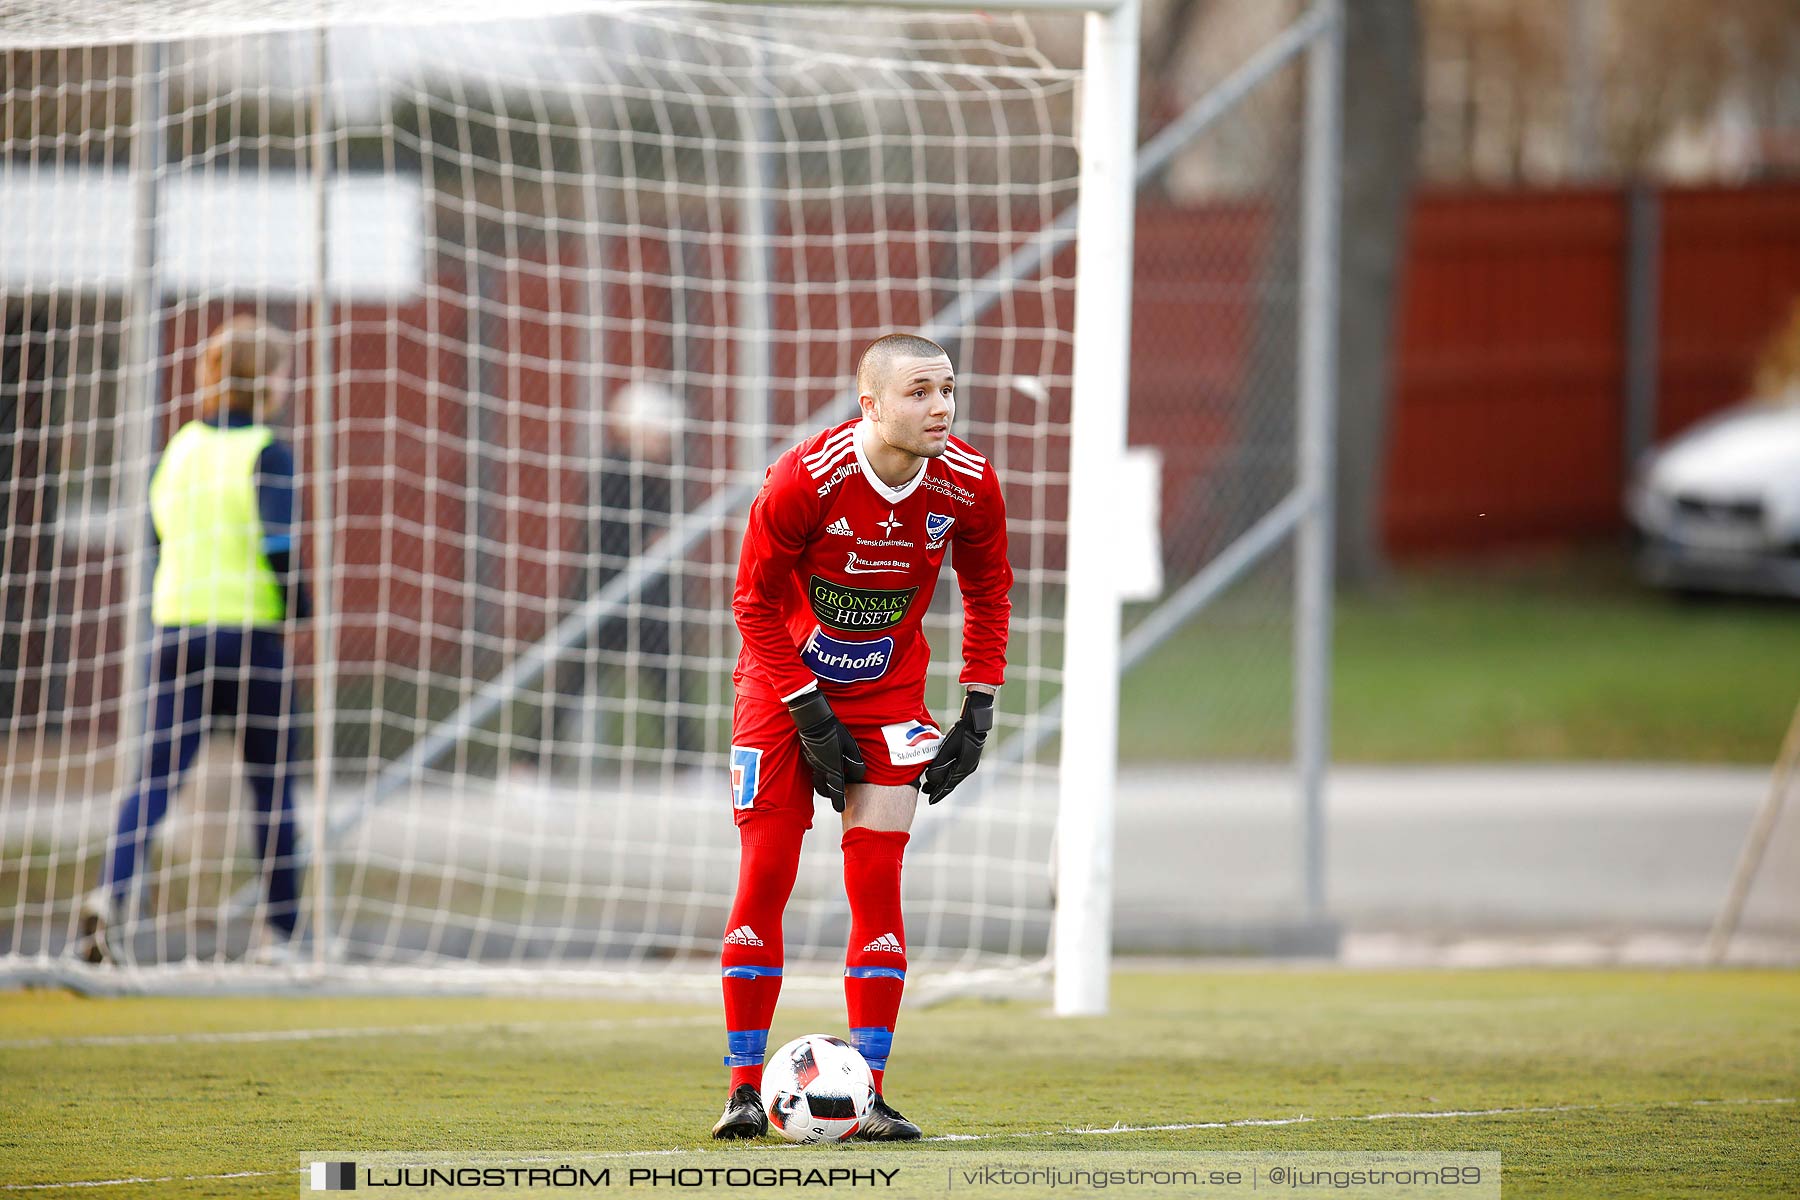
(94, 1183)
(987, 1137)
(351, 1031)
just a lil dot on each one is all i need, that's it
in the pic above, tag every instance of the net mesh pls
(587, 272)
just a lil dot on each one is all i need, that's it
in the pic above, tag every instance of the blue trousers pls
(198, 676)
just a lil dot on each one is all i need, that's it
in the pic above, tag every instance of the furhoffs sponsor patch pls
(837, 661)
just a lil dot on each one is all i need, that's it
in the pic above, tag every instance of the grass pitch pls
(1589, 1083)
(1552, 660)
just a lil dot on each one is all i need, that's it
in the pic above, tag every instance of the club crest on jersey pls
(937, 525)
(911, 742)
(746, 765)
(837, 661)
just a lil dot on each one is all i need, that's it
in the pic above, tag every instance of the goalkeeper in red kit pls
(841, 556)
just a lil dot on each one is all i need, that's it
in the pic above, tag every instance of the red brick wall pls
(1731, 271)
(1507, 414)
(1508, 420)
(1508, 410)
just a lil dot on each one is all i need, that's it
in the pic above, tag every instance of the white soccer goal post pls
(560, 286)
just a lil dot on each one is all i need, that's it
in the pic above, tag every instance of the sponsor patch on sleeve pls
(746, 764)
(911, 742)
(837, 661)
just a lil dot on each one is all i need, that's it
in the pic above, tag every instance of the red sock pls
(751, 960)
(875, 963)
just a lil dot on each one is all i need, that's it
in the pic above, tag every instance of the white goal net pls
(559, 288)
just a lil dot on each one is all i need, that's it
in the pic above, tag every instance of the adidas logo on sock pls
(743, 935)
(886, 941)
(840, 526)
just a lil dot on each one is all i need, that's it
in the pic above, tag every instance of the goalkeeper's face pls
(915, 405)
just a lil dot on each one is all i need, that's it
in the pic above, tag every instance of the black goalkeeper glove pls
(960, 752)
(830, 750)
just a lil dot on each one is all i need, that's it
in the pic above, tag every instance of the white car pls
(1719, 507)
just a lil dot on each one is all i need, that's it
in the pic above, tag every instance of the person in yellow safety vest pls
(227, 580)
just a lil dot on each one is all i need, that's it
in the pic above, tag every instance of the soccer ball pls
(817, 1089)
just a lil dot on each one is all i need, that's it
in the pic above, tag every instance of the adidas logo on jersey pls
(886, 941)
(743, 935)
(840, 527)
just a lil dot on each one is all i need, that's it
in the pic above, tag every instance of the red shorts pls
(769, 774)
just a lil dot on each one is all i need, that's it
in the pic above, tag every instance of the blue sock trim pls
(874, 973)
(750, 972)
(746, 1047)
(874, 1043)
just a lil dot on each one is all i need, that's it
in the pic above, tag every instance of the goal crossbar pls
(48, 24)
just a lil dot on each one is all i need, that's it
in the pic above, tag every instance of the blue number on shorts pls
(745, 761)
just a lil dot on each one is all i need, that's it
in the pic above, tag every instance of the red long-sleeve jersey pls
(838, 570)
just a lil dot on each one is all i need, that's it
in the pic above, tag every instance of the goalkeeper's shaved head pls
(878, 360)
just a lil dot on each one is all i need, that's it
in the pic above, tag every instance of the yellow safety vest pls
(212, 569)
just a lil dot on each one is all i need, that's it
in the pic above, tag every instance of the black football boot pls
(744, 1116)
(883, 1124)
